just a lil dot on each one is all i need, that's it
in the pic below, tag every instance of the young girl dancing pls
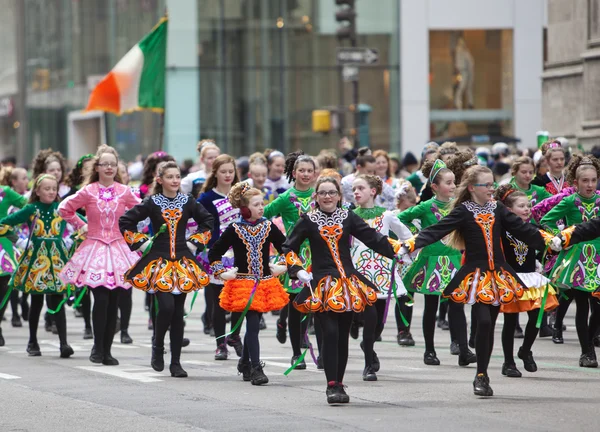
(251, 238)
(168, 268)
(290, 205)
(485, 280)
(576, 269)
(337, 289)
(44, 257)
(522, 258)
(376, 268)
(554, 180)
(103, 257)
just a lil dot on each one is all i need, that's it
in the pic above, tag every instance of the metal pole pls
(355, 102)
(22, 147)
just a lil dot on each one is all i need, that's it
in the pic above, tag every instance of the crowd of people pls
(326, 243)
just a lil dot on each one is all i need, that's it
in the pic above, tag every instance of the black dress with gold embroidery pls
(485, 276)
(169, 266)
(251, 243)
(336, 285)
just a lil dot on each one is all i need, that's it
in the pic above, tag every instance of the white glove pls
(403, 251)
(144, 246)
(83, 230)
(304, 276)
(192, 247)
(560, 226)
(556, 244)
(277, 269)
(538, 267)
(230, 274)
(22, 243)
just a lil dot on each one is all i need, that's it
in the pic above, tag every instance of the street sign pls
(350, 73)
(357, 56)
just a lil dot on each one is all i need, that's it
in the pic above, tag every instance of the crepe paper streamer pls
(192, 304)
(244, 312)
(6, 297)
(79, 297)
(155, 305)
(538, 324)
(161, 230)
(62, 302)
(300, 360)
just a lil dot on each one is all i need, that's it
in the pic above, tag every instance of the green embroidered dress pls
(579, 266)
(8, 258)
(46, 253)
(437, 263)
(290, 205)
(535, 194)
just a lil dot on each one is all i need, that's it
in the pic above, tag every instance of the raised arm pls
(19, 217)
(370, 237)
(438, 231)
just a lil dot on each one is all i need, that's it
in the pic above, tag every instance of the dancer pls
(522, 171)
(193, 182)
(103, 257)
(338, 289)
(291, 205)
(485, 280)
(376, 268)
(576, 269)
(51, 162)
(214, 199)
(523, 260)
(276, 182)
(554, 180)
(44, 257)
(168, 268)
(437, 263)
(251, 238)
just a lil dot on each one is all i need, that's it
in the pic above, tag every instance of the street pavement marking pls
(9, 377)
(205, 363)
(287, 366)
(128, 372)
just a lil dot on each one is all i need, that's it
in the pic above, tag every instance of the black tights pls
(431, 305)
(407, 312)
(209, 299)
(86, 308)
(218, 316)
(170, 314)
(3, 290)
(35, 310)
(334, 353)
(104, 317)
(511, 321)
(296, 327)
(125, 305)
(585, 331)
(373, 327)
(485, 316)
(458, 325)
(251, 344)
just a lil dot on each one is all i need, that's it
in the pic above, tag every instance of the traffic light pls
(347, 16)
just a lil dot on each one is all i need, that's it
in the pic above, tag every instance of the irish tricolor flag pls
(137, 82)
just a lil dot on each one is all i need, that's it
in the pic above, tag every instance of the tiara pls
(586, 161)
(554, 144)
(438, 165)
(470, 162)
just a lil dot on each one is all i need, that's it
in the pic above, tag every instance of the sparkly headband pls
(245, 188)
(401, 190)
(83, 158)
(274, 154)
(554, 144)
(159, 154)
(507, 193)
(470, 162)
(44, 177)
(586, 161)
(438, 165)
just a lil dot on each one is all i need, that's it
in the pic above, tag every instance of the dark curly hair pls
(150, 166)
(44, 158)
(462, 161)
(428, 166)
(75, 177)
(291, 163)
(578, 163)
(508, 195)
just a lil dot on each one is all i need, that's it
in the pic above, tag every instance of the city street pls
(51, 394)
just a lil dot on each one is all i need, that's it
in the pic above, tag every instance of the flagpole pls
(161, 132)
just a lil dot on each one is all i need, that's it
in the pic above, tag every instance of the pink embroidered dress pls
(103, 257)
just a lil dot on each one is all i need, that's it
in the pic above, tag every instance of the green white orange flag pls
(137, 82)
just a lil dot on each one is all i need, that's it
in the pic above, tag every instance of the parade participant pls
(446, 152)
(251, 238)
(337, 289)
(485, 280)
(193, 182)
(44, 257)
(257, 176)
(367, 164)
(168, 268)
(522, 171)
(576, 269)
(51, 162)
(523, 260)
(276, 182)
(214, 199)
(554, 180)
(417, 179)
(290, 205)
(437, 263)
(103, 257)
(8, 259)
(79, 173)
(375, 267)
(383, 168)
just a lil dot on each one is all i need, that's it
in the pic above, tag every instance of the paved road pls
(51, 394)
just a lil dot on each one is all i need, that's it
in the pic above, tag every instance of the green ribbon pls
(244, 312)
(6, 297)
(192, 304)
(161, 230)
(79, 297)
(296, 363)
(62, 302)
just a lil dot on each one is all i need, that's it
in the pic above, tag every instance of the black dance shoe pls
(341, 389)
(443, 324)
(588, 360)
(546, 331)
(430, 358)
(262, 325)
(257, 376)
(66, 351)
(221, 353)
(236, 343)
(281, 333)
(33, 349)
(244, 369)
(185, 342)
(466, 359)
(2, 341)
(16, 321)
(511, 371)
(206, 325)
(376, 365)
(333, 397)
(405, 338)
(320, 363)
(528, 361)
(557, 336)
(481, 386)
(454, 348)
(87, 333)
(354, 328)
(369, 374)
(472, 342)
(301, 365)
(109, 360)
(519, 333)
(158, 360)
(177, 371)
(125, 338)
(96, 356)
